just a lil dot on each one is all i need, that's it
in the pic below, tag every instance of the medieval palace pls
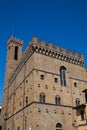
(45, 88)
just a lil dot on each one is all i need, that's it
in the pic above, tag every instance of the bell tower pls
(14, 55)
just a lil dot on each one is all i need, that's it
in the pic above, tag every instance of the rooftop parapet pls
(58, 52)
(34, 40)
(69, 52)
(57, 48)
(42, 43)
(76, 54)
(15, 40)
(81, 56)
(50, 45)
(63, 50)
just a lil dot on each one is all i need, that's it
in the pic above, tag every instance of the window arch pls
(63, 75)
(57, 100)
(16, 53)
(42, 98)
(58, 126)
(77, 101)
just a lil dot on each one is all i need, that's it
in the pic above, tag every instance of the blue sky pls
(59, 21)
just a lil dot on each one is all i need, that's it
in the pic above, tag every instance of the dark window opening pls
(16, 53)
(42, 77)
(63, 76)
(82, 115)
(58, 126)
(18, 128)
(75, 84)
(56, 80)
(42, 98)
(77, 102)
(57, 100)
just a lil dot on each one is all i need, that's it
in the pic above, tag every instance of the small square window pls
(42, 77)
(56, 80)
(75, 84)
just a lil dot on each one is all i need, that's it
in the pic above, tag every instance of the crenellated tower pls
(14, 55)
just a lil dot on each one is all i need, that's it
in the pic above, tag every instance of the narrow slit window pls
(57, 101)
(42, 98)
(63, 76)
(16, 53)
(82, 115)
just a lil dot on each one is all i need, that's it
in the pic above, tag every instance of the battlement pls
(15, 40)
(56, 48)
(57, 52)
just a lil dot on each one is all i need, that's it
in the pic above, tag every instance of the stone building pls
(82, 114)
(42, 86)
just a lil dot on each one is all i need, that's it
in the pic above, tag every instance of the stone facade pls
(81, 112)
(42, 86)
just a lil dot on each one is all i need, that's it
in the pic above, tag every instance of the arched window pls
(77, 102)
(18, 128)
(57, 100)
(58, 126)
(42, 98)
(16, 53)
(0, 127)
(63, 75)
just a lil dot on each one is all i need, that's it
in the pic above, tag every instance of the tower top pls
(15, 40)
